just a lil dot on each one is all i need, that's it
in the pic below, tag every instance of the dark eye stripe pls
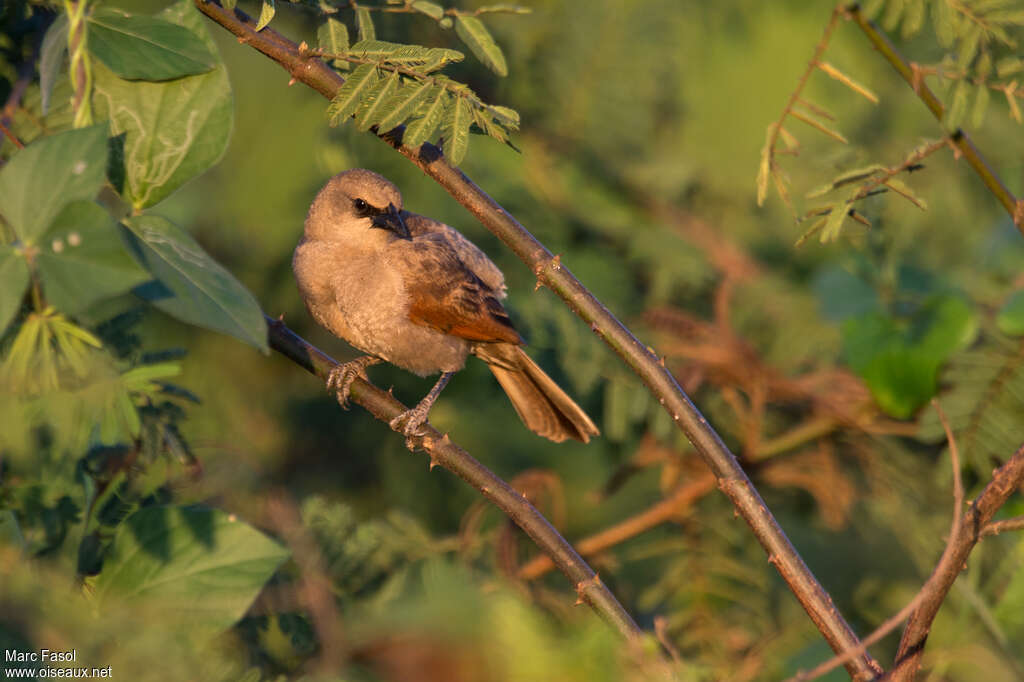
(364, 209)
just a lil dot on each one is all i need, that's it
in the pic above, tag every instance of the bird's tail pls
(542, 405)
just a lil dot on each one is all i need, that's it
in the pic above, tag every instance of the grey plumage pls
(418, 294)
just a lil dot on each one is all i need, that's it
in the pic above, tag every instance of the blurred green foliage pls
(138, 453)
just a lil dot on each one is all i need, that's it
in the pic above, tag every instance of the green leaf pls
(51, 58)
(266, 14)
(476, 36)
(981, 99)
(845, 178)
(429, 117)
(968, 48)
(455, 129)
(373, 106)
(507, 117)
(45, 176)
(405, 55)
(332, 37)
(431, 9)
(190, 285)
(14, 278)
(82, 259)
(904, 190)
(901, 380)
(834, 222)
(1010, 319)
(1008, 66)
(957, 110)
(914, 18)
(944, 325)
(147, 48)
(893, 14)
(486, 124)
(942, 19)
(165, 133)
(351, 93)
(403, 105)
(365, 25)
(867, 335)
(201, 566)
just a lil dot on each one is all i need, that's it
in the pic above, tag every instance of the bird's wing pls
(468, 252)
(446, 295)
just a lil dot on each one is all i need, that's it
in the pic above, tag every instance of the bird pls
(414, 292)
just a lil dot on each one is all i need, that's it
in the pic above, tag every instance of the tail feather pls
(542, 405)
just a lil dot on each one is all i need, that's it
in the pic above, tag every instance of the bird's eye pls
(360, 205)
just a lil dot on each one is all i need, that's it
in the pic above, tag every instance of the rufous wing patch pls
(474, 321)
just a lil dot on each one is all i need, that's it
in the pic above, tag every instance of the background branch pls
(443, 452)
(959, 137)
(1005, 480)
(550, 271)
(894, 620)
(669, 508)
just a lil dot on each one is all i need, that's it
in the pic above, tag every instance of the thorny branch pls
(550, 271)
(443, 452)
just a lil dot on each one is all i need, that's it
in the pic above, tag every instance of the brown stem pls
(550, 271)
(314, 587)
(958, 137)
(997, 527)
(443, 452)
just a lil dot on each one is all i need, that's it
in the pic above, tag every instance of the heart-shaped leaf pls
(189, 284)
(165, 133)
(147, 48)
(44, 177)
(200, 565)
(82, 259)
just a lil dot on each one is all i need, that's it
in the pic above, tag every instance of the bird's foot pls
(341, 377)
(411, 423)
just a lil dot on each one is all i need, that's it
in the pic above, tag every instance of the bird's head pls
(353, 206)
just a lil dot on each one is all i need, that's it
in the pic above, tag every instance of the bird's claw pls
(411, 423)
(340, 378)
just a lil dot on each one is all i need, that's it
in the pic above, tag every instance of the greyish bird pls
(414, 292)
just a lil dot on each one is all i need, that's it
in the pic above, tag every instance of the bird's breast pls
(360, 296)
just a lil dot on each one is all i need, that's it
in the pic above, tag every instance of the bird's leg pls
(341, 377)
(411, 421)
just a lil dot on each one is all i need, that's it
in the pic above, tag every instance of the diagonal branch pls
(959, 137)
(550, 271)
(443, 452)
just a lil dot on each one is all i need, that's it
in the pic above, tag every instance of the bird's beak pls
(391, 219)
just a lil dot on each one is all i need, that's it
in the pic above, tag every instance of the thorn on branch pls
(584, 585)
(917, 77)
